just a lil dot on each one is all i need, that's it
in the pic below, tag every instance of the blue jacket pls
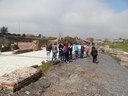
(76, 47)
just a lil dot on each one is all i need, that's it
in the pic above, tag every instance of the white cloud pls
(70, 17)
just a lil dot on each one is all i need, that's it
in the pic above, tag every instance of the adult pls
(65, 52)
(76, 49)
(82, 51)
(48, 51)
(54, 52)
(87, 50)
(94, 54)
(70, 50)
(60, 52)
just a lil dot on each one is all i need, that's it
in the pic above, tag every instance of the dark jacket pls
(48, 47)
(94, 51)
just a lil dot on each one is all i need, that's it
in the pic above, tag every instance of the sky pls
(100, 19)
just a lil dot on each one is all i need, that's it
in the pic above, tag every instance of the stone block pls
(54, 62)
(36, 45)
(124, 61)
(21, 51)
(19, 78)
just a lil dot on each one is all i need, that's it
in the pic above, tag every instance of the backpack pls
(82, 48)
(64, 49)
(94, 51)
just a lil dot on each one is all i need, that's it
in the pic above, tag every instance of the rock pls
(35, 66)
(124, 61)
(54, 62)
(27, 92)
(19, 78)
(18, 51)
(36, 45)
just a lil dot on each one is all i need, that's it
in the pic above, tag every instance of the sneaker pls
(97, 62)
(67, 61)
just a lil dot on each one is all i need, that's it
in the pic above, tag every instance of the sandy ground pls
(10, 62)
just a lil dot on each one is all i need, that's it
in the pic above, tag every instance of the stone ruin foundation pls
(124, 61)
(122, 55)
(36, 45)
(19, 78)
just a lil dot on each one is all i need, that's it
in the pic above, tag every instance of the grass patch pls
(45, 66)
(121, 46)
(115, 58)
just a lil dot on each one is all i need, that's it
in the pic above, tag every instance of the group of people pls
(65, 52)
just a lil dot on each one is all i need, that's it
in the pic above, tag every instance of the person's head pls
(50, 44)
(64, 44)
(69, 44)
(55, 43)
(93, 44)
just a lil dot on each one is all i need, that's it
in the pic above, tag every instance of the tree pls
(68, 39)
(4, 30)
(23, 35)
(39, 35)
(106, 40)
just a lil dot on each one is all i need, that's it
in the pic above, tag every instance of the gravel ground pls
(83, 78)
(80, 78)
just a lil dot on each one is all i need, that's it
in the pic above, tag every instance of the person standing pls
(87, 49)
(82, 51)
(76, 49)
(54, 52)
(48, 51)
(70, 50)
(60, 52)
(94, 54)
(65, 53)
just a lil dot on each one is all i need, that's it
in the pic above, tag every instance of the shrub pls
(45, 66)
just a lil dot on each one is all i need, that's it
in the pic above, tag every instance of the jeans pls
(76, 54)
(70, 54)
(54, 56)
(60, 55)
(95, 59)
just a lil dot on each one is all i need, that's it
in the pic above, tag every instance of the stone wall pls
(19, 78)
(36, 45)
(24, 45)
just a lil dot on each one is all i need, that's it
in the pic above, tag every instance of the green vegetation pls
(45, 67)
(69, 40)
(51, 38)
(121, 46)
(115, 58)
(4, 30)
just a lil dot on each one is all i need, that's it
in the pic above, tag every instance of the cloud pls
(81, 18)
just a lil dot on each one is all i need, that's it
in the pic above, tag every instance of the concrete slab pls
(10, 62)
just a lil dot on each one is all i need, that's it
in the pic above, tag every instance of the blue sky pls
(118, 5)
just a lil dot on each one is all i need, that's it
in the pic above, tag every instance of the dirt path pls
(83, 78)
